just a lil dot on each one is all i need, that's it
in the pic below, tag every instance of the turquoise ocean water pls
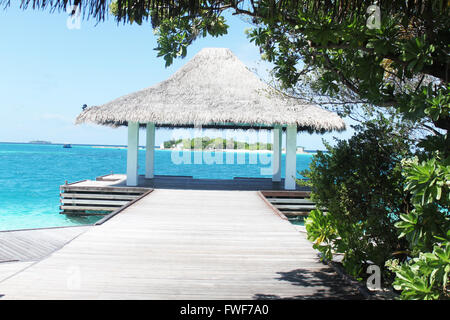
(30, 176)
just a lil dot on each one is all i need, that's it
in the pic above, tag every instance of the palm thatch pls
(213, 90)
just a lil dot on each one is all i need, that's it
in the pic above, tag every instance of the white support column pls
(276, 153)
(132, 154)
(291, 157)
(150, 151)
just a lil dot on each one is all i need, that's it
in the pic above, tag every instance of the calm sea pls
(30, 176)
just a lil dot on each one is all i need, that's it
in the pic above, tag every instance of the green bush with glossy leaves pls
(360, 183)
(425, 277)
(425, 274)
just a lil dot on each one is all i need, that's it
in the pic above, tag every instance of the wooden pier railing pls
(289, 203)
(90, 200)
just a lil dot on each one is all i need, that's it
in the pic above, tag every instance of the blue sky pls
(48, 71)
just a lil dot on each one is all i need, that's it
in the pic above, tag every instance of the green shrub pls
(360, 183)
(425, 277)
(321, 231)
(426, 227)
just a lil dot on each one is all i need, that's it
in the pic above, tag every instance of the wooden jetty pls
(35, 244)
(290, 203)
(109, 193)
(21, 248)
(187, 182)
(184, 244)
(99, 197)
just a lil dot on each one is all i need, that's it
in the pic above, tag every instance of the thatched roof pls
(214, 89)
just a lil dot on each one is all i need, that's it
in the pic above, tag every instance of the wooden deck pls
(35, 244)
(184, 244)
(187, 182)
(21, 248)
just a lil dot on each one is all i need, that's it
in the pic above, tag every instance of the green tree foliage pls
(216, 143)
(384, 207)
(171, 143)
(371, 184)
(359, 182)
(426, 276)
(427, 229)
(403, 63)
(428, 182)
(400, 65)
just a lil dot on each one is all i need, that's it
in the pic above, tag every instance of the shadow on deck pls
(326, 284)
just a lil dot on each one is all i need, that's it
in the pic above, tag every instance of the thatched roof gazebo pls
(213, 90)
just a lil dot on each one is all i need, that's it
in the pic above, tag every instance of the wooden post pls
(291, 157)
(276, 153)
(132, 154)
(150, 151)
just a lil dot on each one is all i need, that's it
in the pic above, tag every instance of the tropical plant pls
(425, 277)
(428, 182)
(427, 229)
(322, 232)
(359, 182)
(400, 63)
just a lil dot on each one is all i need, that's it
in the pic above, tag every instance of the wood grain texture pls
(184, 244)
(31, 245)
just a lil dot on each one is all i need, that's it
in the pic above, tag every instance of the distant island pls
(219, 144)
(40, 142)
(206, 143)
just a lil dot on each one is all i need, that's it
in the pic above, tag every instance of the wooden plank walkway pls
(184, 244)
(9, 269)
(35, 244)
